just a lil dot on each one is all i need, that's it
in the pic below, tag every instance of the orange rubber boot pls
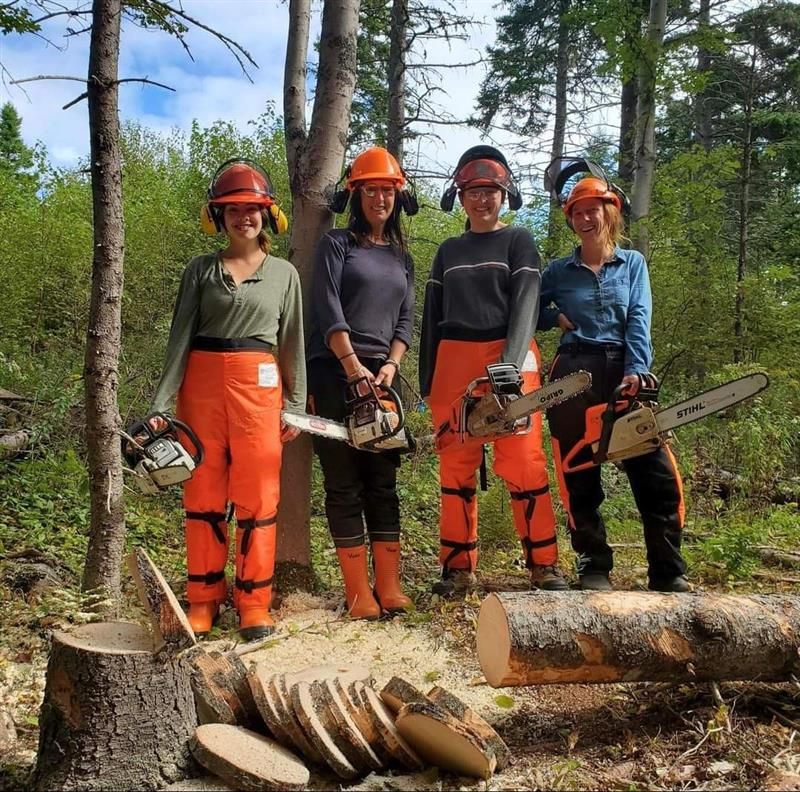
(386, 558)
(360, 602)
(201, 616)
(255, 623)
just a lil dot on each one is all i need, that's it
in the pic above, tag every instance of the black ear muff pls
(514, 199)
(448, 198)
(408, 197)
(340, 198)
(623, 199)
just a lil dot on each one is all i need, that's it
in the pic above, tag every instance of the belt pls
(211, 344)
(590, 349)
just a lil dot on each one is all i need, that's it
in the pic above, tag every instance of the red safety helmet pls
(591, 187)
(375, 163)
(241, 181)
(483, 172)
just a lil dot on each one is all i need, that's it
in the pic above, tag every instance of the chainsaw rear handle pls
(139, 428)
(618, 403)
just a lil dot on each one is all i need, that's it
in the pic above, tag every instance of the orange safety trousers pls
(232, 400)
(518, 459)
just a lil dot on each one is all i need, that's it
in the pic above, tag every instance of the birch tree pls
(314, 153)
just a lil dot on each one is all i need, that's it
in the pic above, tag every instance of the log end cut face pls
(246, 760)
(494, 641)
(116, 638)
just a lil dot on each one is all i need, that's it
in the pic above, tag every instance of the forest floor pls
(620, 736)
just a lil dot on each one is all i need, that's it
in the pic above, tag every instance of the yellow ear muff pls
(277, 219)
(207, 222)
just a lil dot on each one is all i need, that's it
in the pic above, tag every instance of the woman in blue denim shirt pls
(599, 296)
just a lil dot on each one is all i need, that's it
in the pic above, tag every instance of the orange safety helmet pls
(240, 181)
(375, 163)
(591, 187)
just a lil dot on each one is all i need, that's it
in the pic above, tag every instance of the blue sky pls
(212, 86)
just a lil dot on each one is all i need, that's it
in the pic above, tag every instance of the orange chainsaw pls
(631, 426)
(494, 406)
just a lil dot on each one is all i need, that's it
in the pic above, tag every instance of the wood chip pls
(246, 760)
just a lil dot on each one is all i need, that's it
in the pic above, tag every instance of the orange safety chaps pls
(518, 459)
(232, 400)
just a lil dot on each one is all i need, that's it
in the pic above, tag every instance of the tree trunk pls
(645, 149)
(107, 530)
(114, 715)
(536, 638)
(744, 215)
(702, 108)
(315, 160)
(627, 130)
(398, 52)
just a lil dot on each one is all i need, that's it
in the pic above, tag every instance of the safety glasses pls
(371, 190)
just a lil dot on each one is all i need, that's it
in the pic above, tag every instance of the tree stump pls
(539, 638)
(114, 716)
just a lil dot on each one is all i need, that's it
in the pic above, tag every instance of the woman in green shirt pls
(235, 360)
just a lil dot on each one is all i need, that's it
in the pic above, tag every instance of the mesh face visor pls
(484, 171)
(561, 169)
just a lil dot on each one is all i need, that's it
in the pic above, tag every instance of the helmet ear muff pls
(407, 197)
(625, 204)
(210, 220)
(448, 198)
(278, 222)
(341, 197)
(514, 199)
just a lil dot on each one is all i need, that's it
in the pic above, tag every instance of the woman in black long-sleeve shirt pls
(362, 310)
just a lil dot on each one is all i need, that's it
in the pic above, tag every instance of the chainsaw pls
(375, 419)
(494, 406)
(156, 457)
(628, 427)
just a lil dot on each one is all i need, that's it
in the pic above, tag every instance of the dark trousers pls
(360, 486)
(654, 477)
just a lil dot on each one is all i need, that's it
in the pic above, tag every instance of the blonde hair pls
(611, 232)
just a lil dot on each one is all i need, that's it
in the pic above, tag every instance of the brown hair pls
(264, 239)
(360, 229)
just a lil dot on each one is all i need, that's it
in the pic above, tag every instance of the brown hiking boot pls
(454, 582)
(548, 578)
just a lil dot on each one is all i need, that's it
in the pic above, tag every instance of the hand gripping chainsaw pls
(375, 419)
(157, 458)
(494, 406)
(631, 426)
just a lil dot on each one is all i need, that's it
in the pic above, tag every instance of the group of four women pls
(236, 357)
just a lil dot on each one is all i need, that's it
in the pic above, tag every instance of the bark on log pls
(290, 720)
(474, 722)
(100, 725)
(352, 700)
(544, 638)
(397, 692)
(444, 742)
(394, 743)
(214, 692)
(247, 760)
(170, 625)
(258, 678)
(11, 444)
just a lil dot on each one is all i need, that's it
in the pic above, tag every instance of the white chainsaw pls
(628, 427)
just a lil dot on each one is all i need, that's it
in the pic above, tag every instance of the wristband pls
(344, 357)
(390, 362)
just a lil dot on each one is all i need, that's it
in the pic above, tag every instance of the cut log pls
(290, 720)
(170, 625)
(444, 742)
(783, 558)
(258, 678)
(246, 760)
(343, 729)
(362, 719)
(545, 638)
(397, 692)
(114, 715)
(475, 723)
(238, 677)
(313, 726)
(214, 692)
(393, 742)
(12, 443)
